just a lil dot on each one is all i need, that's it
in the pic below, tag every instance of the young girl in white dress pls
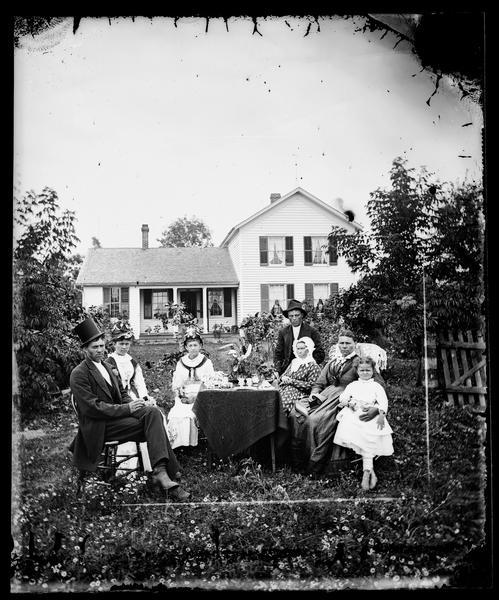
(185, 383)
(367, 438)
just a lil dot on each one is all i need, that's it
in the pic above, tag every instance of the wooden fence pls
(462, 360)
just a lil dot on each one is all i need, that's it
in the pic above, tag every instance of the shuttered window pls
(116, 302)
(333, 254)
(227, 302)
(157, 301)
(264, 254)
(147, 304)
(289, 250)
(276, 251)
(307, 247)
(318, 251)
(319, 291)
(270, 292)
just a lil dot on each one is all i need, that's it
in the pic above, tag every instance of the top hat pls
(87, 331)
(294, 305)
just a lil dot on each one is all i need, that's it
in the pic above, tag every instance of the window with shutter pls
(320, 291)
(333, 254)
(115, 301)
(309, 293)
(264, 297)
(147, 304)
(334, 289)
(227, 302)
(289, 250)
(276, 251)
(124, 304)
(264, 254)
(290, 291)
(307, 246)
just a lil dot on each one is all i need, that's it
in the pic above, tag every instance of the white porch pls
(210, 305)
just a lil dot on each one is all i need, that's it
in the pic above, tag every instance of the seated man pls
(106, 412)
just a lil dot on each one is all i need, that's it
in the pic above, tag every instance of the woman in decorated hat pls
(190, 370)
(125, 366)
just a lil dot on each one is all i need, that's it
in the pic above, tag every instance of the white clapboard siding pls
(92, 296)
(296, 216)
(234, 251)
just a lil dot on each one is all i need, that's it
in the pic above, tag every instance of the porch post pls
(134, 310)
(205, 310)
(175, 294)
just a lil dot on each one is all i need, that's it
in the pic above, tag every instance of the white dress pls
(181, 416)
(364, 437)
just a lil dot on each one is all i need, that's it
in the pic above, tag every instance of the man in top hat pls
(283, 353)
(107, 412)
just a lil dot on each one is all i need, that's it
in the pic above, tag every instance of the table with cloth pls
(234, 419)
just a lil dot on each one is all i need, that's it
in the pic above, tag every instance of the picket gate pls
(462, 358)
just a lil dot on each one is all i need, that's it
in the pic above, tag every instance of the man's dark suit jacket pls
(96, 403)
(283, 353)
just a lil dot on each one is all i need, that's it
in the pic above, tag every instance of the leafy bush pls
(46, 303)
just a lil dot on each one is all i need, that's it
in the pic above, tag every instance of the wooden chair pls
(114, 457)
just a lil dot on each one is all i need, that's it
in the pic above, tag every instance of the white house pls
(275, 254)
(278, 252)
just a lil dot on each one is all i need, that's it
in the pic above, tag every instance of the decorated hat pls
(121, 330)
(294, 305)
(87, 331)
(192, 333)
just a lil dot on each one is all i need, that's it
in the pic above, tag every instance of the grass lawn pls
(247, 528)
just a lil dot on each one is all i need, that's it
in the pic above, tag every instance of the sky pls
(143, 122)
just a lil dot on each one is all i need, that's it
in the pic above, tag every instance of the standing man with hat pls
(107, 412)
(283, 353)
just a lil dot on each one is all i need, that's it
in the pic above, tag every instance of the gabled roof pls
(157, 266)
(334, 211)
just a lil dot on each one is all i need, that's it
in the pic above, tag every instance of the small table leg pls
(272, 451)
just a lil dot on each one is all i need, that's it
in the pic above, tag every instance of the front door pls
(189, 298)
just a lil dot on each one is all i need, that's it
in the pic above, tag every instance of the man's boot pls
(161, 478)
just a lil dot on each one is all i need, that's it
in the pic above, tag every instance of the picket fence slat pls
(481, 397)
(463, 367)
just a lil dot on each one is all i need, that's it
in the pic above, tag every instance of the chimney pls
(274, 198)
(145, 237)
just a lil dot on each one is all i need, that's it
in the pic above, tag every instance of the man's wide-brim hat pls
(294, 305)
(87, 331)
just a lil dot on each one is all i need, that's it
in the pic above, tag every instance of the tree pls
(45, 299)
(419, 228)
(186, 233)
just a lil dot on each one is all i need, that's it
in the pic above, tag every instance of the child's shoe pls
(373, 480)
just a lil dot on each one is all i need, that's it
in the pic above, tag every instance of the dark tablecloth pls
(234, 419)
